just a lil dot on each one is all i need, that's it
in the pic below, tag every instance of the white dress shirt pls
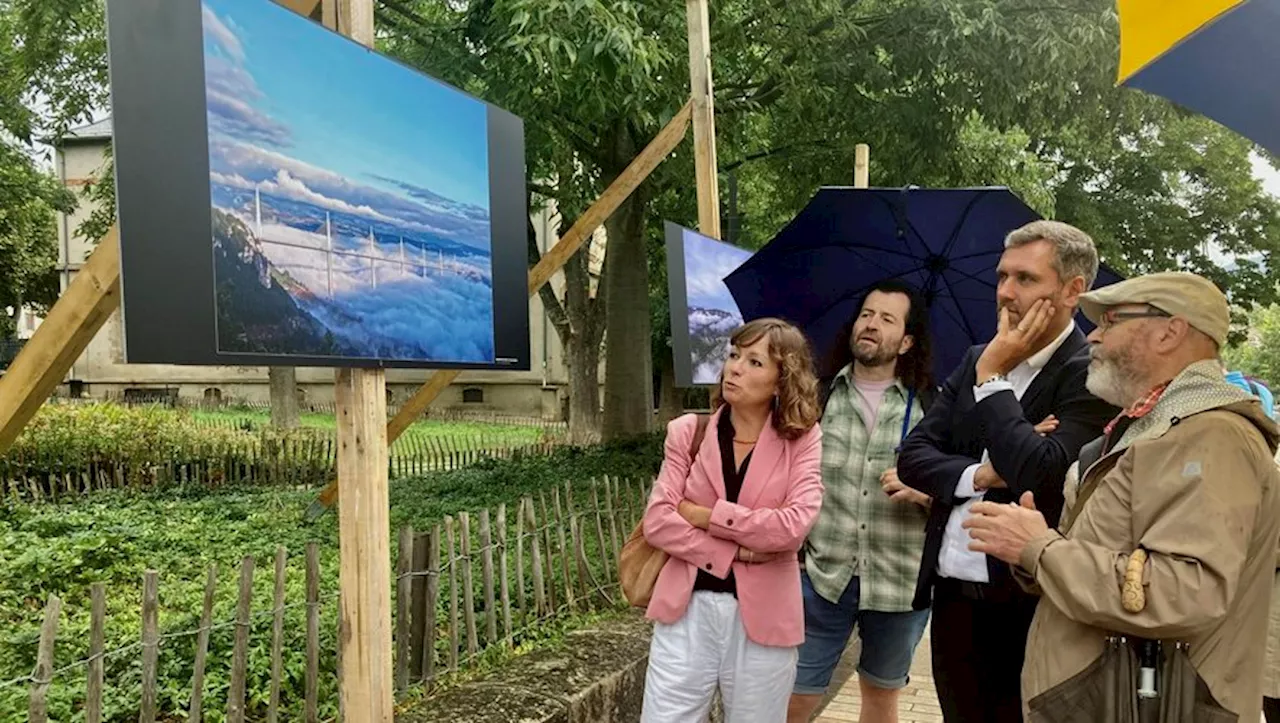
(955, 559)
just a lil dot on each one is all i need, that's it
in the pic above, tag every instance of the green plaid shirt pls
(859, 530)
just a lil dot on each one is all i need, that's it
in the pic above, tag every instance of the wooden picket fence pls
(303, 458)
(460, 589)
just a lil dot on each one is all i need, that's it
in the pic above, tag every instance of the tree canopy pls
(52, 75)
(946, 92)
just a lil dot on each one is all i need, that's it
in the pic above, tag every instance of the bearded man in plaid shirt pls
(862, 557)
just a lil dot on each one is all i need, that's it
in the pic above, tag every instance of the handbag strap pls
(698, 434)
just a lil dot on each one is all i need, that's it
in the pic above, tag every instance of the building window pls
(213, 394)
(473, 395)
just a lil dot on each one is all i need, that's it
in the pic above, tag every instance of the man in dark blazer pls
(979, 441)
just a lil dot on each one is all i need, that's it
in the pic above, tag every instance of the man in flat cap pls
(1171, 518)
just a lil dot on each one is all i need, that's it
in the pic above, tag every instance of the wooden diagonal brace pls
(302, 7)
(94, 292)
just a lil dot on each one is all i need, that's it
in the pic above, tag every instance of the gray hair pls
(1074, 251)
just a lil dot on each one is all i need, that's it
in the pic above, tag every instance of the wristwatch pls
(993, 378)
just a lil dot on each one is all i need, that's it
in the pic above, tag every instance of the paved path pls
(918, 704)
(919, 701)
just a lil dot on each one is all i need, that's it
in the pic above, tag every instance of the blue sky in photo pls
(706, 263)
(345, 124)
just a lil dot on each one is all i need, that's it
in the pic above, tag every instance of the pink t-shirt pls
(870, 394)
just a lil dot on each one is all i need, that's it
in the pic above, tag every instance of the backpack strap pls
(906, 416)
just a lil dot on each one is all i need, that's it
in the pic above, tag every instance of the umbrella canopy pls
(1215, 57)
(944, 242)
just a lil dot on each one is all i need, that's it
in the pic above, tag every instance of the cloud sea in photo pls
(350, 197)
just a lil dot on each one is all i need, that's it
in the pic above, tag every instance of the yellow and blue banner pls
(1220, 58)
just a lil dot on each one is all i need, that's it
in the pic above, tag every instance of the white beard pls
(1107, 382)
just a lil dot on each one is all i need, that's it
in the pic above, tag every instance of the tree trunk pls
(581, 339)
(628, 376)
(670, 397)
(284, 397)
(578, 321)
(584, 390)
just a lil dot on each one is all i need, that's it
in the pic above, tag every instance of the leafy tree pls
(958, 92)
(100, 195)
(29, 198)
(1258, 354)
(594, 81)
(946, 92)
(52, 74)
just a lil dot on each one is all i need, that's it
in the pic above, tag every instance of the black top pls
(956, 429)
(732, 488)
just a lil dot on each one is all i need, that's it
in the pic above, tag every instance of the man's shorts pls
(888, 640)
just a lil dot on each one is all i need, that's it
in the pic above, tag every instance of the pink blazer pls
(777, 506)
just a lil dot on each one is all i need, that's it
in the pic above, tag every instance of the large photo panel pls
(703, 312)
(288, 196)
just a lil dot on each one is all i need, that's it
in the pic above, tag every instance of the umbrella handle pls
(1133, 595)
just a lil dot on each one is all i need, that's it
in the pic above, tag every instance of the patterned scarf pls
(1138, 409)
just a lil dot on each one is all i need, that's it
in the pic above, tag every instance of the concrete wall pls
(101, 370)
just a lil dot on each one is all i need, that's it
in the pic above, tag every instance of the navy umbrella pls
(945, 242)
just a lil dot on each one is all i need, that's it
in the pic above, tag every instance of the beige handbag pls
(640, 563)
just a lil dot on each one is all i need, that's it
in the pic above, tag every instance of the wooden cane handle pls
(1133, 595)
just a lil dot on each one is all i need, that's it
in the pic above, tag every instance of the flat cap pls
(1176, 293)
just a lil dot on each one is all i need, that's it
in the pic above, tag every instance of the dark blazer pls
(954, 432)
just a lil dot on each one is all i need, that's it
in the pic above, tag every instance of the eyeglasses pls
(1112, 317)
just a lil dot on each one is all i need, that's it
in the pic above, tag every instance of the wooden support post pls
(364, 574)
(861, 165)
(704, 122)
(364, 534)
(617, 192)
(302, 7)
(329, 14)
(355, 20)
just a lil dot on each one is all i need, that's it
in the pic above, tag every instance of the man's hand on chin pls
(1014, 343)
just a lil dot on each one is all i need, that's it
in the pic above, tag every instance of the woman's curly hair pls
(795, 410)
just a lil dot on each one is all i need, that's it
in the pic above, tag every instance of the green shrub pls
(74, 448)
(71, 449)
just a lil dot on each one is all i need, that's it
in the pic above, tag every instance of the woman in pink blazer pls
(727, 604)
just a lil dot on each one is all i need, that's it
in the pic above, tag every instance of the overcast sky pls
(1270, 177)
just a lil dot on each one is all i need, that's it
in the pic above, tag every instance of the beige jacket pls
(1271, 675)
(1194, 483)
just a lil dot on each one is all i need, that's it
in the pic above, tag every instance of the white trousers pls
(707, 648)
